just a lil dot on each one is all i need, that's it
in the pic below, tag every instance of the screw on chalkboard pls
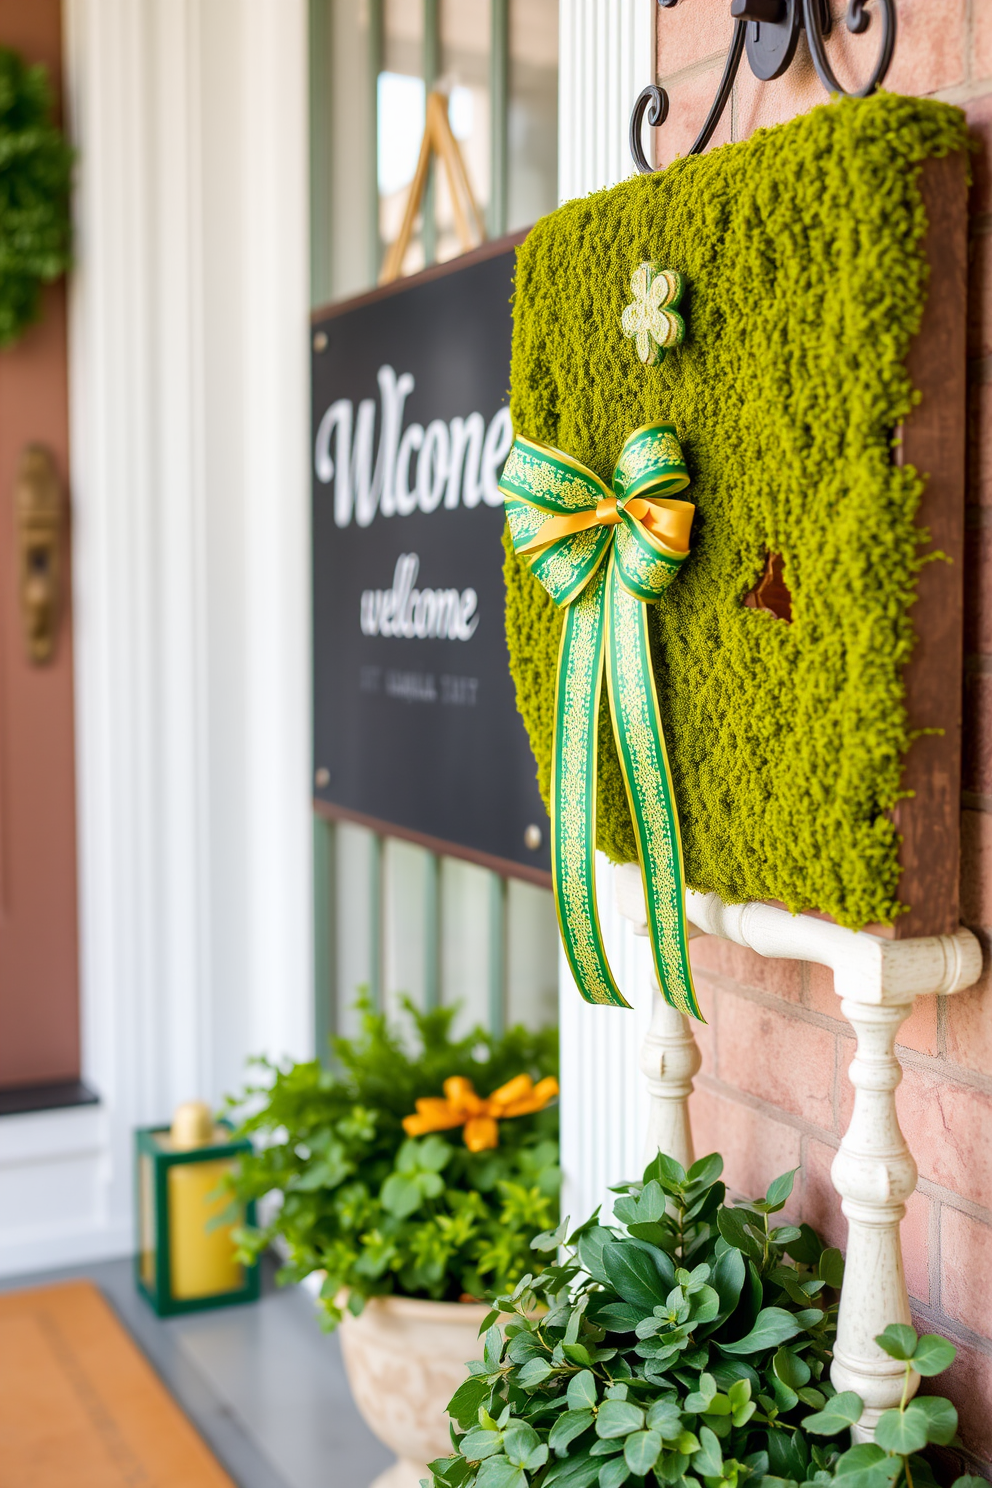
(533, 837)
(322, 777)
(320, 341)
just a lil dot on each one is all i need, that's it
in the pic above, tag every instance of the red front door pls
(39, 1002)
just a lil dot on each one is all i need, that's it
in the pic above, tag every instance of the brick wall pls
(773, 1091)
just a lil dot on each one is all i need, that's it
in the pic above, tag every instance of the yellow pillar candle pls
(201, 1259)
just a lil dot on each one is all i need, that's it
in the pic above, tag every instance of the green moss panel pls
(802, 252)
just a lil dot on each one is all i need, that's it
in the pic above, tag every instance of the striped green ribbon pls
(604, 555)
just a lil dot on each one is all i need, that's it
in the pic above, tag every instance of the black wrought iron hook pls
(858, 20)
(769, 29)
(658, 100)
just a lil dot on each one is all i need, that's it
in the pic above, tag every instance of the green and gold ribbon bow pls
(604, 555)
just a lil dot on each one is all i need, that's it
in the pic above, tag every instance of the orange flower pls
(480, 1118)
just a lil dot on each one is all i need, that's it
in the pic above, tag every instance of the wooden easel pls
(439, 140)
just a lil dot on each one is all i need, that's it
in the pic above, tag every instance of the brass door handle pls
(38, 506)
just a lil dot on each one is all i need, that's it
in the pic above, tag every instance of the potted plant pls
(413, 1178)
(689, 1345)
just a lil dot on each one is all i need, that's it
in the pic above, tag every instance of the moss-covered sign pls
(805, 280)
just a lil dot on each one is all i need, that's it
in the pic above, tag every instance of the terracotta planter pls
(405, 1359)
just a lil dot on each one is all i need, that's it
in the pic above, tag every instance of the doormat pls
(80, 1405)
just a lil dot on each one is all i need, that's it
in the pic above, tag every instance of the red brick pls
(919, 1031)
(709, 953)
(968, 1385)
(979, 466)
(689, 102)
(965, 1266)
(930, 46)
(706, 1033)
(820, 1206)
(980, 291)
(713, 954)
(779, 1058)
(976, 870)
(915, 1235)
(691, 31)
(976, 764)
(755, 1147)
(979, 114)
(759, 105)
(969, 1026)
(978, 590)
(947, 1128)
(819, 993)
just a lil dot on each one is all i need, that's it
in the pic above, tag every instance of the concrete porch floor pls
(263, 1385)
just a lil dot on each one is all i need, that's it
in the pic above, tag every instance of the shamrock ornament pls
(651, 320)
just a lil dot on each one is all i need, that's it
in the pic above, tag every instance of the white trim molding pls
(189, 412)
(606, 56)
(53, 1179)
(606, 51)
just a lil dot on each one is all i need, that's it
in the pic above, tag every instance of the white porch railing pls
(877, 981)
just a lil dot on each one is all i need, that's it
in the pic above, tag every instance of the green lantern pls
(185, 1217)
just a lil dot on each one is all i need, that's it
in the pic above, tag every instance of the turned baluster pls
(669, 1059)
(669, 1055)
(875, 1174)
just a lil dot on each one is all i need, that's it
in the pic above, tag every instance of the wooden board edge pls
(933, 441)
(884, 932)
(492, 248)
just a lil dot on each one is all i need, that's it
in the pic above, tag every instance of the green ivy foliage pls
(903, 1432)
(684, 1343)
(382, 1213)
(688, 1345)
(802, 253)
(35, 177)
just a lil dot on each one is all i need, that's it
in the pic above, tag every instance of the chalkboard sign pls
(416, 730)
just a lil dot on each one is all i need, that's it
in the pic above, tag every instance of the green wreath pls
(35, 175)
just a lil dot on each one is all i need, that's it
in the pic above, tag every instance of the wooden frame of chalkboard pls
(416, 731)
(490, 249)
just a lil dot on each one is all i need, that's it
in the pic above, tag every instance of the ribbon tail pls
(573, 791)
(644, 764)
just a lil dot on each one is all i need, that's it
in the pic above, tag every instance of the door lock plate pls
(38, 509)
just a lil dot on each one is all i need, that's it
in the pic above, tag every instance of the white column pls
(606, 51)
(604, 1103)
(606, 56)
(189, 419)
(275, 412)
